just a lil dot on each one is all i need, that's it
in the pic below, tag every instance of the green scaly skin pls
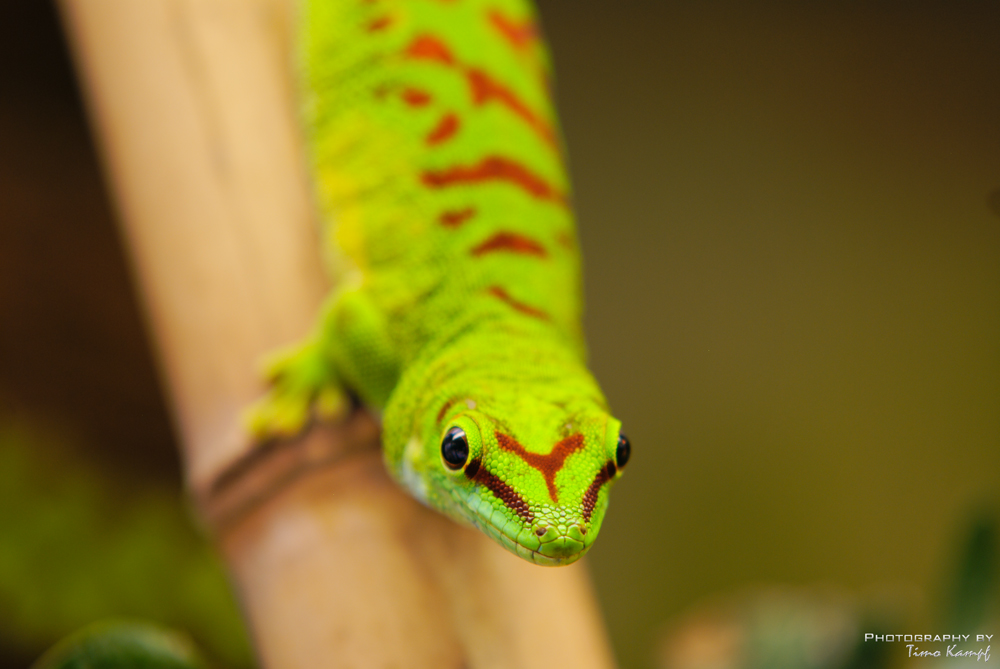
(439, 170)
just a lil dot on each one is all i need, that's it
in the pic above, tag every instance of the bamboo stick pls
(193, 103)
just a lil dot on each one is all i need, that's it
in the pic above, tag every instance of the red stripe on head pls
(590, 497)
(512, 242)
(549, 464)
(444, 130)
(510, 498)
(455, 218)
(444, 409)
(428, 47)
(495, 168)
(526, 309)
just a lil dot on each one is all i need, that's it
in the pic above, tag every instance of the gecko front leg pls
(348, 353)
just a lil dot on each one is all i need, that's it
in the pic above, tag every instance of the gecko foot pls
(302, 384)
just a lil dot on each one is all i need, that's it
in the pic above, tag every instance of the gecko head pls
(539, 485)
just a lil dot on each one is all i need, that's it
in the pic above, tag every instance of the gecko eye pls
(455, 448)
(624, 450)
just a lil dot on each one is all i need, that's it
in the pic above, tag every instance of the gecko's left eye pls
(455, 448)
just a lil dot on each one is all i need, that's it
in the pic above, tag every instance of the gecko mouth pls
(553, 539)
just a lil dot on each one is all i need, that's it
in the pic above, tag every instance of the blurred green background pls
(790, 215)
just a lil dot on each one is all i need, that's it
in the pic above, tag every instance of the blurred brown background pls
(791, 225)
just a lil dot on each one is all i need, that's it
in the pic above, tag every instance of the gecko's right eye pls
(455, 448)
(624, 450)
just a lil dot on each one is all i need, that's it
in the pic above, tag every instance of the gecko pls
(439, 172)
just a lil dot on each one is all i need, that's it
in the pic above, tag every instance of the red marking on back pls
(513, 501)
(510, 241)
(444, 130)
(455, 218)
(495, 168)
(486, 89)
(519, 35)
(550, 464)
(416, 97)
(381, 23)
(590, 497)
(428, 47)
(526, 309)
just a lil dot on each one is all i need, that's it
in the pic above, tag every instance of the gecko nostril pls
(541, 531)
(580, 528)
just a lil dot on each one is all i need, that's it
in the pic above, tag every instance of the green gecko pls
(439, 171)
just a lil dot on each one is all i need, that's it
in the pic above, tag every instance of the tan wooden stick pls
(193, 103)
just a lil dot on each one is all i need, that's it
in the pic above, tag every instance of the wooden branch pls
(335, 565)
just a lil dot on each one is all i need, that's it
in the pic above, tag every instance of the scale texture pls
(440, 175)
